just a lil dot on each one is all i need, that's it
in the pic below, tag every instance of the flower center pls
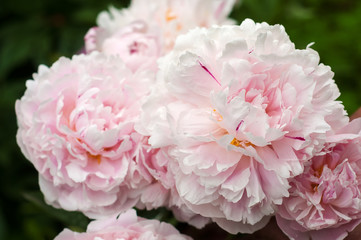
(97, 158)
(169, 15)
(136, 47)
(314, 187)
(317, 173)
(241, 143)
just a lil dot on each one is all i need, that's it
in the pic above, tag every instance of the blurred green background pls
(40, 31)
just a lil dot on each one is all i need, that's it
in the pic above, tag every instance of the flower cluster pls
(173, 105)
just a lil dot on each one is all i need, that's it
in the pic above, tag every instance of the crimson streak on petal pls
(206, 69)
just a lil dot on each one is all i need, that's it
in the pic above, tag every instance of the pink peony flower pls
(137, 48)
(325, 201)
(76, 125)
(147, 30)
(126, 226)
(238, 110)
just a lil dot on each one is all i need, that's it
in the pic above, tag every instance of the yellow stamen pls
(169, 15)
(217, 116)
(97, 158)
(238, 143)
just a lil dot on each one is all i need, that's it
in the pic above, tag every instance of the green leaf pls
(3, 225)
(71, 219)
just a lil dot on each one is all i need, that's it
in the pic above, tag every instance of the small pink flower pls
(126, 226)
(148, 29)
(325, 201)
(238, 110)
(137, 48)
(76, 125)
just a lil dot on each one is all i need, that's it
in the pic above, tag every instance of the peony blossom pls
(147, 29)
(76, 125)
(137, 48)
(126, 226)
(325, 201)
(238, 111)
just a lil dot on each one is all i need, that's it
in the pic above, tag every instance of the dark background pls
(40, 31)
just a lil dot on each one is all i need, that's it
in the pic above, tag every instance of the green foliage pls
(40, 31)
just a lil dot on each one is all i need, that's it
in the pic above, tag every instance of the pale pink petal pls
(126, 226)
